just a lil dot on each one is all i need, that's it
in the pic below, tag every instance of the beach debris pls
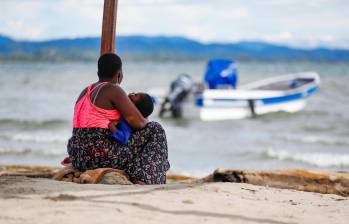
(60, 173)
(27, 171)
(250, 190)
(96, 176)
(115, 178)
(302, 180)
(188, 201)
(62, 197)
(179, 178)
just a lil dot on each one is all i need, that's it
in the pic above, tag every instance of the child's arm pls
(112, 126)
(122, 132)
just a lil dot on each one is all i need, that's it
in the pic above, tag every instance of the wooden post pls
(109, 26)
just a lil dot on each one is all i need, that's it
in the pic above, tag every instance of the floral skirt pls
(144, 158)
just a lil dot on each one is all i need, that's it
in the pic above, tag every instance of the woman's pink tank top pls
(87, 115)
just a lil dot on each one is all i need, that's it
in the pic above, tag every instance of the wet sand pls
(39, 200)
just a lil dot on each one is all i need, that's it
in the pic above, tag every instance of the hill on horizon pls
(160, 48)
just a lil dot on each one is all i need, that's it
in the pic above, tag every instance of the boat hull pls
(244, 110)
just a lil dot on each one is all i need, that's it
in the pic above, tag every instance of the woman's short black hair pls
(145, 105)
(108, 65)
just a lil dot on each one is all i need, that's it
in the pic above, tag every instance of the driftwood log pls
(28, 171)
(96, 176)
(51, 172)
(325, 183)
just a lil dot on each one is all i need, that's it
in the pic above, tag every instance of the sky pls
(299, 23)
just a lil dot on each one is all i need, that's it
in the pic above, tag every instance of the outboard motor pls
(179, 90)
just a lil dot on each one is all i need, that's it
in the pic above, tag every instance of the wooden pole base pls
(109, 26)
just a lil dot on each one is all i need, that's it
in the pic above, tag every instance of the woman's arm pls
(124, 105)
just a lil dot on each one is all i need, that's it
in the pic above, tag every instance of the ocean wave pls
(33, 123)
(320, 159)
(37, 137)
(49, 152)
(40, 138)
(318, 139)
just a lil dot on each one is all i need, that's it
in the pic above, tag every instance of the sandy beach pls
(40, 200)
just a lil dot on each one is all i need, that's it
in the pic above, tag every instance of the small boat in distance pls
(286, 93)
(223, 100)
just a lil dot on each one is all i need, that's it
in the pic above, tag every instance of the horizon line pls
(183, 37)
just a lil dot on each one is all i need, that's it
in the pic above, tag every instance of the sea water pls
(37, 100)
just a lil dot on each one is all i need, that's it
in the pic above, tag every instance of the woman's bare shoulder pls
(114, 89)
(81, 94)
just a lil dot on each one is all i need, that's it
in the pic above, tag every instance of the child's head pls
(143, 102)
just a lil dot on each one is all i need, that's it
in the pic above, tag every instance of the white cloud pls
(294, 22)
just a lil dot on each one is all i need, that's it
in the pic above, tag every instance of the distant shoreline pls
(162, 48)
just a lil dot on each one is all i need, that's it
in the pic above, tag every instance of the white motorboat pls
(286, 93)
(223, 100)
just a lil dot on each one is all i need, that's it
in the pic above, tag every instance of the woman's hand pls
(112, 126)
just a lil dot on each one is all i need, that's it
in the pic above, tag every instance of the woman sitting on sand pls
(144, 158)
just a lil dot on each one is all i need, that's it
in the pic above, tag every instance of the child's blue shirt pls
(123, 132)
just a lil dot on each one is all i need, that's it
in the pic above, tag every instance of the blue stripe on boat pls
(312, 90)
(282, 99)
(200, 101)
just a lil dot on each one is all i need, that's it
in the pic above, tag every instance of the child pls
(120, 129)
